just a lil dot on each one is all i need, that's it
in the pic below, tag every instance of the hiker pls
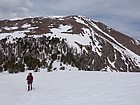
(29, 81)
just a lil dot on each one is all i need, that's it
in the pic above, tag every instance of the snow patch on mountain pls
(79, 20)
(11, 36)
(71, 39)
(10, 28)
(26, 25)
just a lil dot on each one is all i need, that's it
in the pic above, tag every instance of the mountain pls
(58, 42)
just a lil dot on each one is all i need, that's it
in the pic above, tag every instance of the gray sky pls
(122, 15)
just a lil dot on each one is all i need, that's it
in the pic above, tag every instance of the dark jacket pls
(29, 77)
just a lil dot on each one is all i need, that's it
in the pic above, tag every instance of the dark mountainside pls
(33, 43)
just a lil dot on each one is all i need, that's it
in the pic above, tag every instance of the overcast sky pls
(122, 15)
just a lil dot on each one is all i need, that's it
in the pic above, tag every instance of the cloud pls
(29, 3)
(9, 3)
(14, 8)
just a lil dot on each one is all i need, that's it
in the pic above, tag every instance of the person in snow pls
(29, 81)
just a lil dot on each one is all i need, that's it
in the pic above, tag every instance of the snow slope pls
(71, 88)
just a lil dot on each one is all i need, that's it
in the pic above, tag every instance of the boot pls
(28, 88)
(31, 87)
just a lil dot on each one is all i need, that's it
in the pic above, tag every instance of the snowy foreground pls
(71, 88)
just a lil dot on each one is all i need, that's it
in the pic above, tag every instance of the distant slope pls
(130, 43)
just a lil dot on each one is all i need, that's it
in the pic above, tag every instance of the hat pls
(30, 73)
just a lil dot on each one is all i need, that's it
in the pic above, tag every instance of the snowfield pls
(71, 88)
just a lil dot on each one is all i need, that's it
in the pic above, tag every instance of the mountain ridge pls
(84, 43)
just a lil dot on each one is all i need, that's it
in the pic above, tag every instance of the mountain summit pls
(56, 42)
